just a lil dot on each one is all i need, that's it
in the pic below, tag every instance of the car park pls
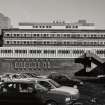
(37, 91)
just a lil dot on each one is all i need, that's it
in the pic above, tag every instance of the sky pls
(49, 10)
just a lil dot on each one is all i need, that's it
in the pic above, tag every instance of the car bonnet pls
(67, 89)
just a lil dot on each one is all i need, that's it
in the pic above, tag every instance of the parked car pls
(63, 79)
(6, 77)
(29, 74)
(15, 76)
(100, 79)
(39, 91)
(10, 77)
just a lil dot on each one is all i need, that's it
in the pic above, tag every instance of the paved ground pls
(92, 94)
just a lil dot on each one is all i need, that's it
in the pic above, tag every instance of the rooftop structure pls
(5, 22)
(81, 24)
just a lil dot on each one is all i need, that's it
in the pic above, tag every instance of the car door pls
(8, 92)
(41, 91)
(27, 93)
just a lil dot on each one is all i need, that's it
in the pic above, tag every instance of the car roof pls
(36, 79)
(27, 80)
(20, 81)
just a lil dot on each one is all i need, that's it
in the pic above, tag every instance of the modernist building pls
(5, 22)
(50, 45)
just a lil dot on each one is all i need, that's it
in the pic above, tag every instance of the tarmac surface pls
(92, 94)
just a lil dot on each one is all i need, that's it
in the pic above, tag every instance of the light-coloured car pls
(53, 86)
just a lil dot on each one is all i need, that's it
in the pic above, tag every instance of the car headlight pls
(67, 99)
(75, 86)
(81, 83)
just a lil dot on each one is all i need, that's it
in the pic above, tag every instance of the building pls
(5, 22)
(50, 45)
(81, 24)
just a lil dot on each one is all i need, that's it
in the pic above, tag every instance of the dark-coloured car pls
(63, 79)
(29, 74)
(28, 91)
(100, 79)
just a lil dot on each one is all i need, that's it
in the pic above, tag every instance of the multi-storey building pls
(5, 22)
(50, 45)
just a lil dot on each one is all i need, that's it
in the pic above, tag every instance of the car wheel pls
(51, 103)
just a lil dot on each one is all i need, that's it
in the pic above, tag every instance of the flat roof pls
(54, 30)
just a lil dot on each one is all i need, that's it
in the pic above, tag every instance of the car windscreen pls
(57, 85)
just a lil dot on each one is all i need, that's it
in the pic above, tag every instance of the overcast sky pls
(49, 10)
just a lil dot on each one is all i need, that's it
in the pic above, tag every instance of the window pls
(43, 26)
(68, 36)
(68, 26)
(78, 51)
(18, 42)
(49, 26)
(45, 42)
(45, 84)
(7, 35)
(100, 51)
(49, 51)
(44, 35)
(35, 26)
(7, 42)
(48, 42)
(6, 51)
(24, 42)
(76, 26)
(20, 51)
(26, 88)
(14, 42)
(35, 51)
(28, 42)
(64, 51)
(10, 88)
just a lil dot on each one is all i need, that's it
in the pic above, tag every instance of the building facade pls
(50, 45)
(5, 22)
